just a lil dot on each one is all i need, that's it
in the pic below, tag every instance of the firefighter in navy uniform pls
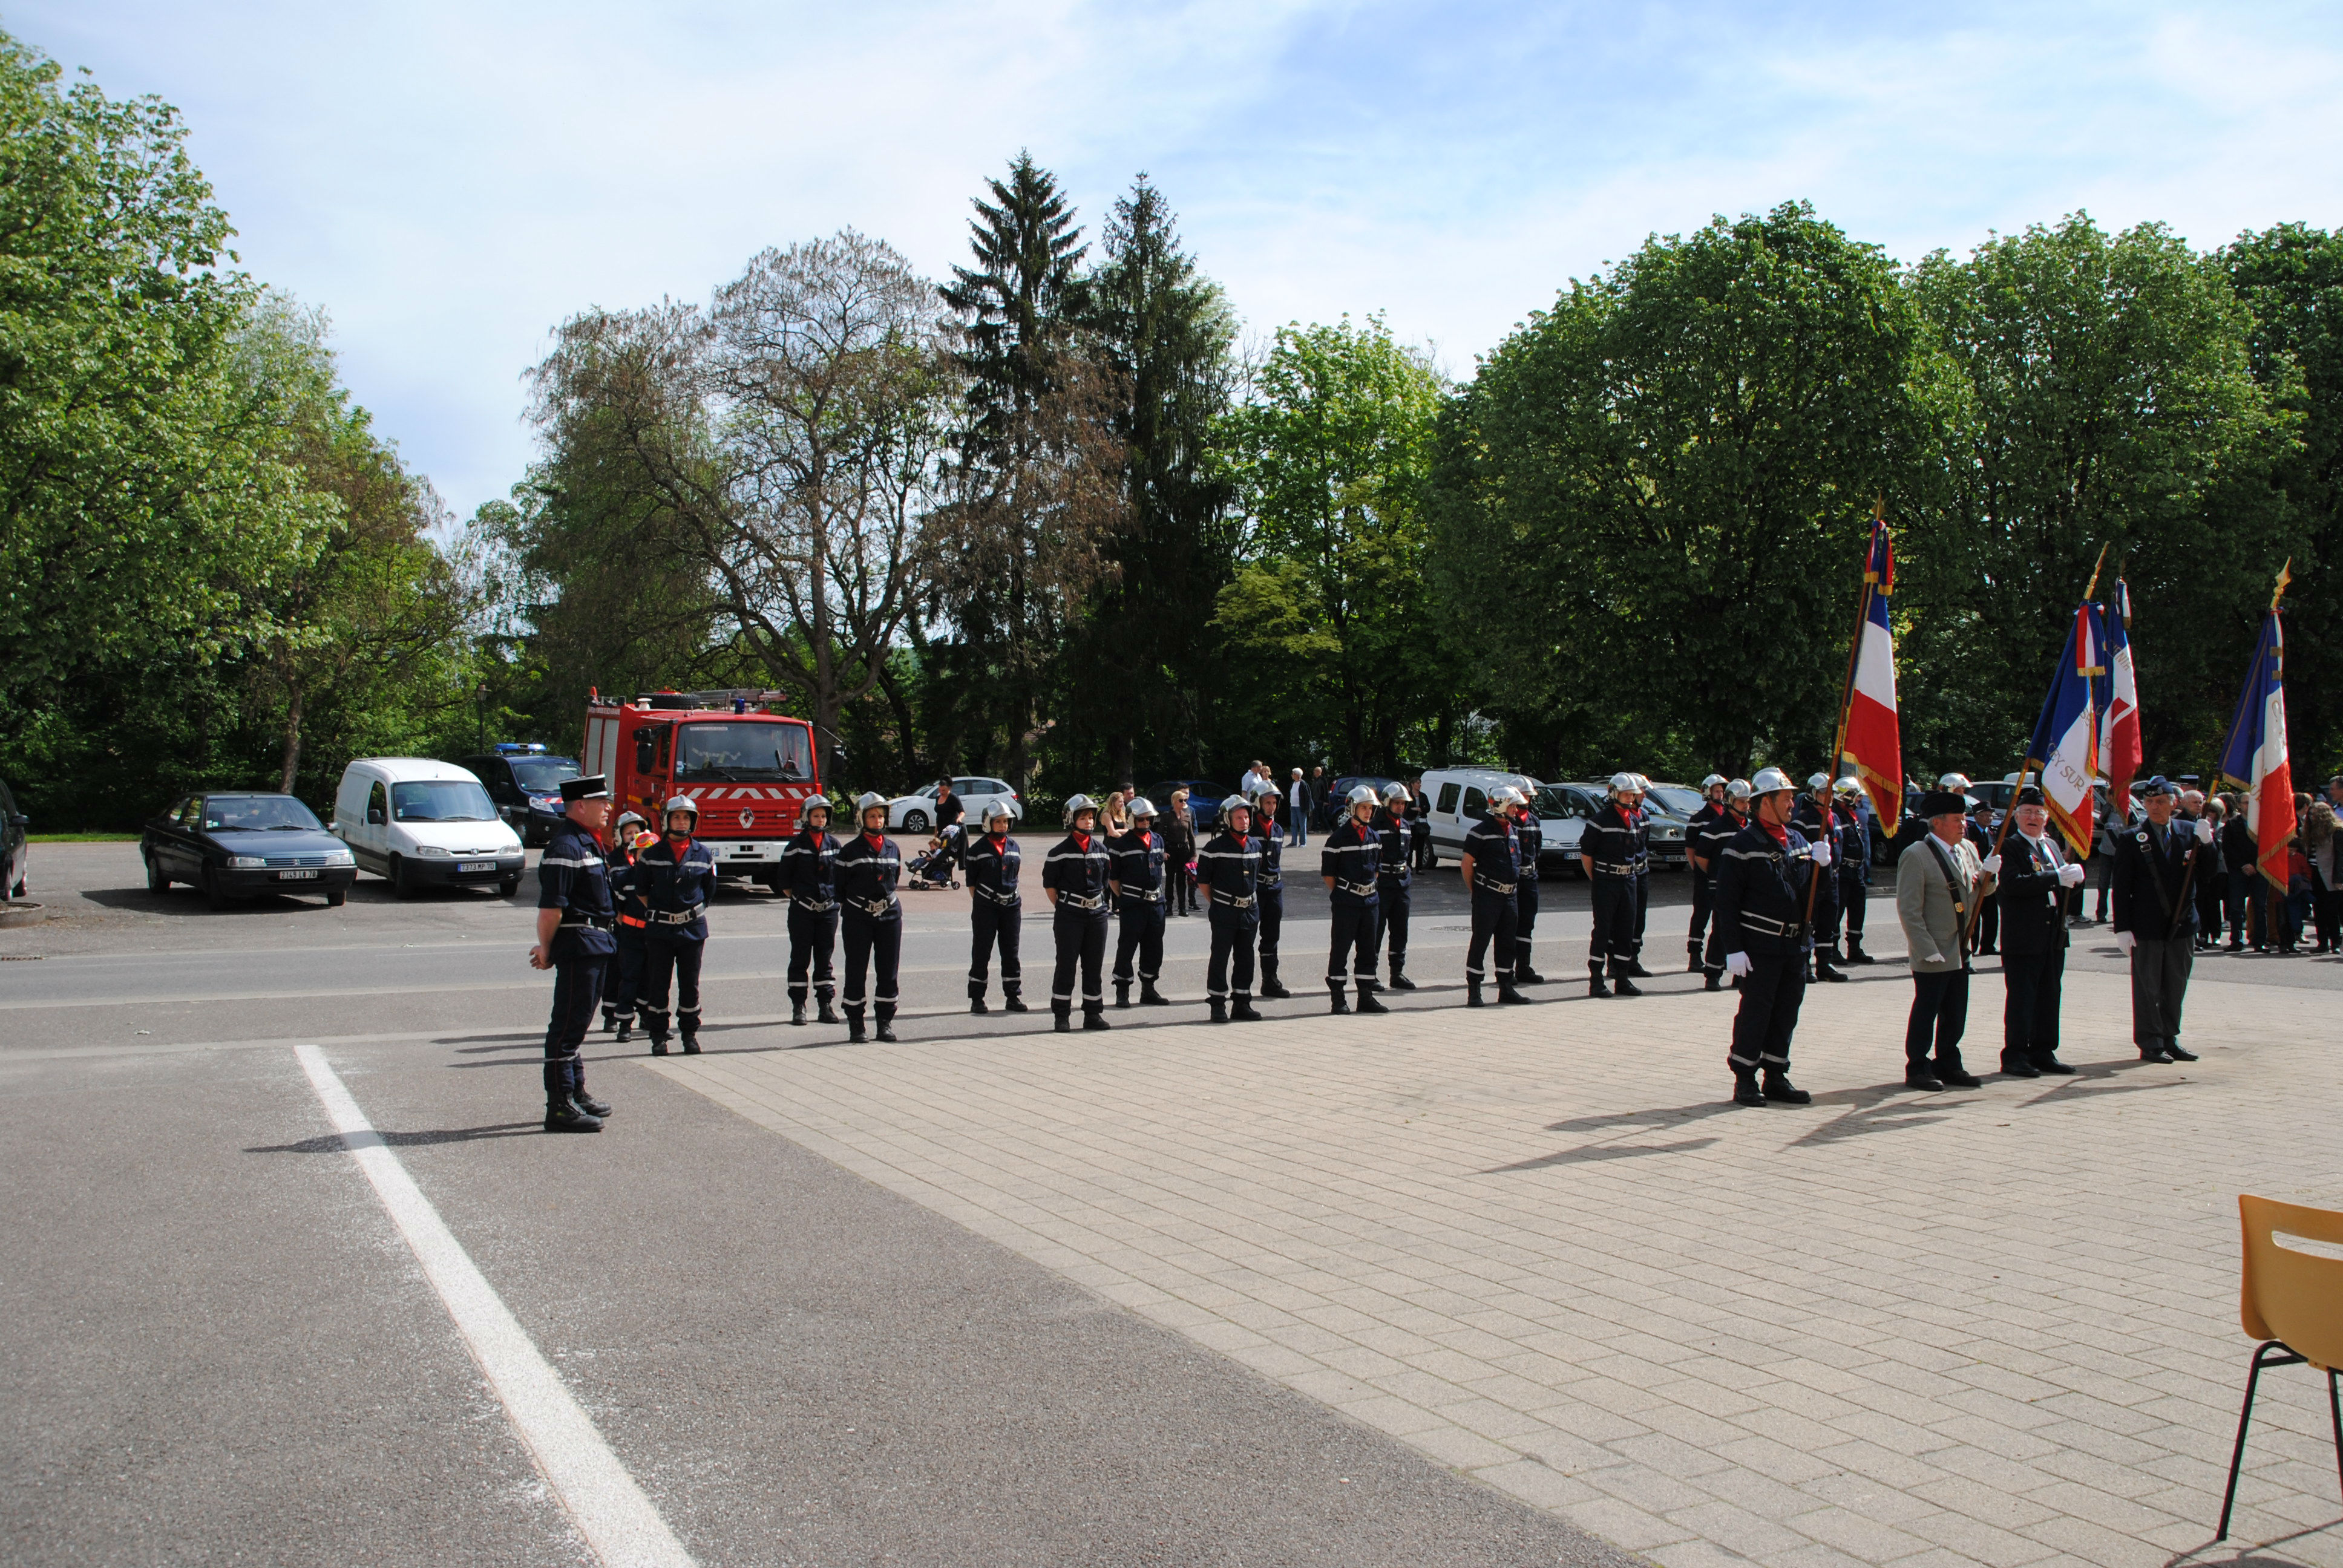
(1761, 919)
(1269, 890)
(1853, 860)
(1492, 866)
(1395, 832)
(1349, 864)
(810, 882)
(869, 872)
(1135, 878)
(1074, 875)
(1613, 852)
(1529, 834)
(1227, 869)
(627, 967)
(1714, 840)
(674, 878)
(1816, 822)
(996, 909)
(1704, 838)
(574, 922)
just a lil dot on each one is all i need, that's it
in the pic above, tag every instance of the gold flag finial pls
(2285, 576)
(2102, 561)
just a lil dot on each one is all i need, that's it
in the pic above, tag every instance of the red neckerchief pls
(1083, 840)
(1146, 839)
(997, 839)
(680, 844)
(876, 840)
(1780, 835)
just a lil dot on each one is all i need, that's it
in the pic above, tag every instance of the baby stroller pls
(934, 870)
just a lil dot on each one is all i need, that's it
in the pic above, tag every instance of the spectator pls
(2212, 875)
(1114, 821)
(1318, 795)
(2322, 843)
(1179, 828)
(1297, 810)
(2238, 853)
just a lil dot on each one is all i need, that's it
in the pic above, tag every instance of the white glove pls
(2070, 875)
(1992, 865)
(1822, 850)
(2126, 940)
(1737, 964)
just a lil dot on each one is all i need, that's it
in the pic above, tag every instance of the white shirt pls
(2043, 848)
(1299, 796)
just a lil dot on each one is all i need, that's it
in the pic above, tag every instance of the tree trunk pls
(1119, 760)
(293, 711)
(906, 730)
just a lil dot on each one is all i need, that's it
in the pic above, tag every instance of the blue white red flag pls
(2119, 742)
(2256, 761)
(1871, 738)
(2065, 751)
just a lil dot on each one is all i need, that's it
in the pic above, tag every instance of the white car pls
(417, 823)
(916, 813)
(1457, 798)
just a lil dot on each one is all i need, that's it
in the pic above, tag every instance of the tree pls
(144, 517)
(1331, 457)
(784, 445)
(2087, 390)
(1651, 500)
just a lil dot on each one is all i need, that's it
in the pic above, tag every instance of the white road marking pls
(618, 1522)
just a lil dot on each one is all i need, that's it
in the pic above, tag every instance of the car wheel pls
(336, 896)
(213, 897)
(402, 886)
(508, 887)
(915, 821)
(157, 882)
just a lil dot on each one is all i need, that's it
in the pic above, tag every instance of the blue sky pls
(449, 181)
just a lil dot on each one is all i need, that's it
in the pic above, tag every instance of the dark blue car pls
(241, 843)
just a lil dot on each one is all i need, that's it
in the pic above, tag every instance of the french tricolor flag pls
(1871, 737)
(2065, 750)
(2255, 759)
(2119, 743)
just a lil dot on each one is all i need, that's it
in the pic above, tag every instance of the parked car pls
(1337, 803)
(1670, 808)
(417, 823)
(526, 785)
(1458, 797)
(240, 843)
(1204, 799)
(916, 813)
(14, 846)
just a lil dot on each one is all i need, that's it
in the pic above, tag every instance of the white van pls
(1457, 798)
(417, 823)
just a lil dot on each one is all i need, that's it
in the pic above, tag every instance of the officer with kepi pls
(575, 918)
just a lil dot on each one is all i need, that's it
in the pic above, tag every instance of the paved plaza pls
(1997, 1326)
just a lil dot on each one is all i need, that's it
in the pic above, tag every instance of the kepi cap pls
(594, 787)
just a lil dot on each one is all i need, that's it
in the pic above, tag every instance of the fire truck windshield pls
(742, 753)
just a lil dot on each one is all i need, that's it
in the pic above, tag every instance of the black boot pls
(1219, 1009)
(1062, 1018)
(1635, 968)
(562, 1115)
(1715, 979)
(1824, 972)
(1399, 980)
(626, 1031)
(1122, 994)
(1509, 995)
(825, 1013)
(854, 1031)
(1854, 953)
(692, 1042)
(1619, 981)
(1341, 1001)
(609, 1019)
(886, 1023)
(1523, 974)
(1745, 1088)
(1094, 1016)
(1782, 1091)
(1692, 964)
(2019, 1067)
(976, 1006)
(658, 1045)
(1367, 1002)
(1473, 993)
(1595, 986)
(1149, 997)
(1271, 987)
(1013, 1001)
(2172, 1049)
(1240, 1010)
(797, 1011)
(588, 1103)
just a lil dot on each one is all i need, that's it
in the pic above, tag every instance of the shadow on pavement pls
(331, 1142)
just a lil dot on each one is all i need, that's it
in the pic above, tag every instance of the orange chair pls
(2293, 1303)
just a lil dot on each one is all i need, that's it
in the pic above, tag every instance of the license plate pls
(478, 866)
(297, 876)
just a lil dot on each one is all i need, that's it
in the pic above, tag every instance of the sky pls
(450, 182)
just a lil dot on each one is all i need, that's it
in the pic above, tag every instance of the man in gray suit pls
(1937, 883)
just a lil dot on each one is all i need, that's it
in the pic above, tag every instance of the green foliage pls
(1651, 500)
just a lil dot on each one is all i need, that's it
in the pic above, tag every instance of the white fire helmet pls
(1770, 780)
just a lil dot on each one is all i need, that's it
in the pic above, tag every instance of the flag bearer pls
(574, 919)
(2033, 880)
(1135, 878)
(2154, 924)
(1349, 864)
(996, 909)
(810, 882)
(1492, 865)
(1613, 853)
(869, 872)
(1227, 870)
(1761, 921)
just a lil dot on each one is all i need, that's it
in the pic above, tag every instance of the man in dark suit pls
(2155, 922)
(2036, 871)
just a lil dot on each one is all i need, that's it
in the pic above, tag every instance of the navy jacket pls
(1710, 828)
(672, 884)
(1228, 869)
(2150, 866)
(1076, 866)
(574, 879)
(809, 869)
(1495, 847)
(1351, 854)
(868, 875)
(2033, 913)
(1761, 893)
(1614, 840)
(1396, 836)
(1135, 864)
(1269, 877)
(993, 865)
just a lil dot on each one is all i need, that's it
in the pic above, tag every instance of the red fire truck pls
(750, 767)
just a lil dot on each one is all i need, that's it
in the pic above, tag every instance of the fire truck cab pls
(751, 768)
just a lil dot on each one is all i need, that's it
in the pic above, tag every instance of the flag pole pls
(1846, 689)
(2001, 834)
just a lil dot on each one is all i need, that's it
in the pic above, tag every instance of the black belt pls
(810, 907)
(1229, 900)
(1360, 890)
(1772, 927)
(1610, 870)
(600, 922)
(1008, 899)
(661, 917)
(1145, 895)
(877, 908)
(1081, 902)
(1505, 887)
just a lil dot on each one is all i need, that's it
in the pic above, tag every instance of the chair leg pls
(2335, 1413)
(2238, 1457)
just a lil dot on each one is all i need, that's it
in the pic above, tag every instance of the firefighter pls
(1643, 877)
(810, 882)
(1611, 853)
(574, 922)
(1227, 872)
(1715, 839)
(1269, 890)
(1762, 888)
(1492, 864)
(1704, 838)
(674, 878)
(628, 838)
(1135, 878)
(1530, 836)
(996, 909)
(1394, 875)
(1853, 860)
(868, 871)
(1349, 864)
(1075, 877)
(1816, 818)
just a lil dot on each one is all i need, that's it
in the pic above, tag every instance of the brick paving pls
(1537, 1245)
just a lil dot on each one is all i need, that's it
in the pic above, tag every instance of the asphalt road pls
(214, 1347)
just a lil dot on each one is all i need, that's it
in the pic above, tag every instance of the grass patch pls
(81, 838)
